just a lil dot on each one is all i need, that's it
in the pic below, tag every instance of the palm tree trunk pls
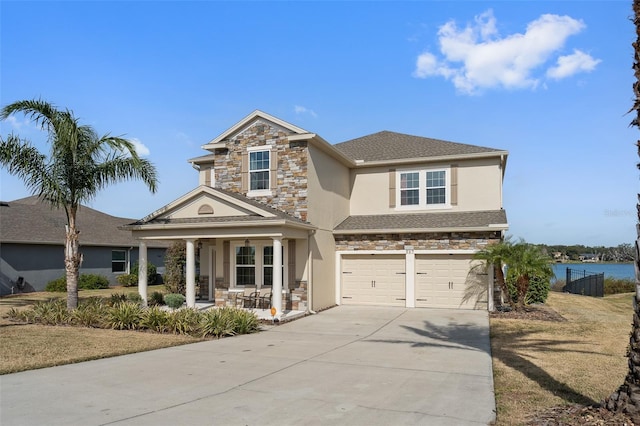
(627, 398)
(506, 294)
(72, 259)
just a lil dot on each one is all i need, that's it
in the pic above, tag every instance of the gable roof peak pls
(257, 114)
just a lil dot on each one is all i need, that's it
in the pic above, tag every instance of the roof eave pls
(219, 225)
(324, 146)
(492, 227)
(436, 159)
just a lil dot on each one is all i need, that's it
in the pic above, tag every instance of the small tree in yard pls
(495, 256)
(79, 165)
(175, 260)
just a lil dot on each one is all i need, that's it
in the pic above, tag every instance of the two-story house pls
(386, 219)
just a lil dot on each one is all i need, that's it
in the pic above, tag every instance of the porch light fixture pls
(247, 243)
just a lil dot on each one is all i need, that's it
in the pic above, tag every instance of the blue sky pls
(548, 81)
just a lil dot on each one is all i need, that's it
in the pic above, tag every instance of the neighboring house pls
(386, 219)
(589, 258)
(32, 238)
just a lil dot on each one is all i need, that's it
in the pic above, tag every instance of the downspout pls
(129, 260)
(310, 274)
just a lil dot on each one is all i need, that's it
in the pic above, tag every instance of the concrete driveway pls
(347, 365)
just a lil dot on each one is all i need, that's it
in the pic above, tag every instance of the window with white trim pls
(253, 264)
(118, 261)
(245, 265)
(423, 189)
(259, 170)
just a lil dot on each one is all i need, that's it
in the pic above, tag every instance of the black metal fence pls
(584, 283)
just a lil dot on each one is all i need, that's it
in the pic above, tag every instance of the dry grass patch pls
(27, 347)
(541, 364)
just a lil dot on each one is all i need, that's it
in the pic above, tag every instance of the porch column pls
(191, 274)
(142, 271)
(276, 289)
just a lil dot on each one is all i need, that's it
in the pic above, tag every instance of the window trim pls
(422, 186)
(259, 263)
(259, 192)
(124, 262)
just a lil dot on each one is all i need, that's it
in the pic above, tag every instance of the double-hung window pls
(424, 189)
(259, 168)
(118, 261)
(245, 265)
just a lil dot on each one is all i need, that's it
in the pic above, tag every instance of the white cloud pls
(477, 57)
(141, 149)
(15, 123)
(572, 64)
(302, 110)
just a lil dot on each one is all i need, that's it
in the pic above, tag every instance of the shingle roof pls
(387, 146)
(29, 220)
(418, 221)
(227, 219)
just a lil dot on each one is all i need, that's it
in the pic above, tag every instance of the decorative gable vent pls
(205, 209)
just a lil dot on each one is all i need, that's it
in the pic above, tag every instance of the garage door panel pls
(449, 281)
(373, 280)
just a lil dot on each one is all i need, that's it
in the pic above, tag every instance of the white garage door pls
(448, 281)
(373, 280)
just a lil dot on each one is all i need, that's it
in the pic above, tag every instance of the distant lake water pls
(611, 270)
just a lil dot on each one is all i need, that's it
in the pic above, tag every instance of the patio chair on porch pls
(251, 301)
(265, 301)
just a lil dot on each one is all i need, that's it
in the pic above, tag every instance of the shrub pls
(175, 259)
(152, 273)
(244, 322)
(155, 319)
(85, 282)
(124, 316)
(184, 321)
(156, 299)
(117, 298)
(57, 285)
(217, 323)
(92, 282)
(618, 285)
(127, 280)
(134, 298)
(51, 312)
(90, 313)
(174, 300)
(538, 290)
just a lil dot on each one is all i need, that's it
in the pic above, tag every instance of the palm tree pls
(79, 165)
(626, 398)
(526, 262)
(495, 256)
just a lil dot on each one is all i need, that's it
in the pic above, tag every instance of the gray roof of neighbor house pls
(389, 223)
(388, 146)
(31, 221)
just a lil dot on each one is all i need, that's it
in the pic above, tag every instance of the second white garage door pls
(448, 281)
(373, 280)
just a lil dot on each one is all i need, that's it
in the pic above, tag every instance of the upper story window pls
(259, 170)
(424, 189)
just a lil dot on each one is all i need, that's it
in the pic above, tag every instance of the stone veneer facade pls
(418, 241)
(290, 193)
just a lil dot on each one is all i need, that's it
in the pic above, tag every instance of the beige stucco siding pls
(479, 187)
(323, 270)
(328, 206)
(192, 209)
(328, 188)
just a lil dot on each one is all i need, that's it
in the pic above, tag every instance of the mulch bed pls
(577, 415)
(532, 312)
(572, 415)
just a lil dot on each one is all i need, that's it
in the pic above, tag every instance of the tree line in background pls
(620, 253)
